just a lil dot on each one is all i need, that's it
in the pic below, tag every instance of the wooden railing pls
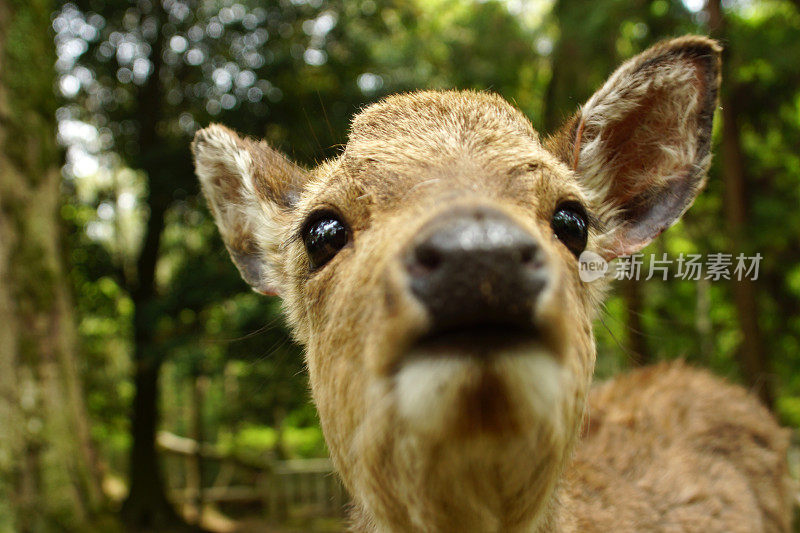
(284, 489)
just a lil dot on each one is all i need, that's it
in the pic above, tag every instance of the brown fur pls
(693, 454)
(426, 442)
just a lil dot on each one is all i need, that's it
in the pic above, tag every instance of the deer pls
(431, 273)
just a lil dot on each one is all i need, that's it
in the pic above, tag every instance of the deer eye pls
(571, 226)
(324, 235)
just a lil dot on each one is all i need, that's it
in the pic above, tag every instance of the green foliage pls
(296, 442)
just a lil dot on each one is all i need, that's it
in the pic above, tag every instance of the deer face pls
(431, 272)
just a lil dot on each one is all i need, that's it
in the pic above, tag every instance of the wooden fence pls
(284, 490)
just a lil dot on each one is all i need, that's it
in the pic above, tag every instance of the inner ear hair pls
(641, 144)
(654, 79)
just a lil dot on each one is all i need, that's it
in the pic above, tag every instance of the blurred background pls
(142, 385)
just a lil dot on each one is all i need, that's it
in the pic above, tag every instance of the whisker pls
(325, 116)
(311, 128)
(631, 356)
(259, 331)
(423, 183)
(270, 351)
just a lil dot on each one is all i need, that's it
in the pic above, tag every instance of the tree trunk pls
(147, 506)
(752, 355)
(564, 90)
(702, 321)
(637, 343)
(49, 477)
(578, 46)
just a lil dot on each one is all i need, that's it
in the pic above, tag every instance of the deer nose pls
(476, 267)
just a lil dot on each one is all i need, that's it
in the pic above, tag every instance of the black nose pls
(475, 267)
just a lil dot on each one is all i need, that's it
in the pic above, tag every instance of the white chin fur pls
(427, 387)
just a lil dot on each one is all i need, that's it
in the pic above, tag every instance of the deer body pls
(671, 448)
(431, 273)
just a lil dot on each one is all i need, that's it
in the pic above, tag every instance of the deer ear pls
(251, 190)
(641, 144)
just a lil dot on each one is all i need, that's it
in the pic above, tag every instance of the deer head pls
(431, 272)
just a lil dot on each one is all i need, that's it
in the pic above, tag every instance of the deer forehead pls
(412, 117)
(415, 150)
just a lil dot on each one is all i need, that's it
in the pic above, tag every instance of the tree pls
(752, 354)
(48, 471)
(152, 72)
